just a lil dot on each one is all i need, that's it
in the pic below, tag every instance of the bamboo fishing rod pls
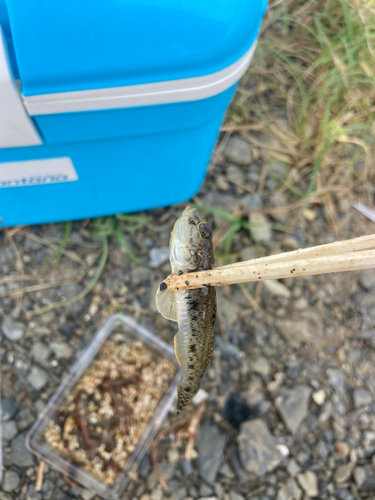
(341, 256)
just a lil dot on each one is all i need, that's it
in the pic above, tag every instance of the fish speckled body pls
(191, 249)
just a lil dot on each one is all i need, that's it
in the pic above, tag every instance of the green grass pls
(316, 60)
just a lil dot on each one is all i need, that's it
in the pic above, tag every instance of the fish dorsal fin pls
(166, 304)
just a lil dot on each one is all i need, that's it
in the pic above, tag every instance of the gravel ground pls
(290, 389)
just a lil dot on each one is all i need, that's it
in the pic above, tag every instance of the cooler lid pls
(73, 46)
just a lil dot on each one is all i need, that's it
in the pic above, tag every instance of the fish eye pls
(204, 230)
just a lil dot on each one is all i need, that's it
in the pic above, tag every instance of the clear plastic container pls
(118, 330)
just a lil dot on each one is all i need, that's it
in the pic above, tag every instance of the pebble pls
(13, 330)
(157, 494)
(367, 278)
(211, 444)
(9, 430)
(257, 448)
(179, 494)
(343, 472)
(291, 242)
(6, 255)
(289, 491)
(235, 175)
(47, 489)
(40, 352)
(293, 468)
(20, 455)
(337, 380)
(144, 467)
(252, 201)
(8, 408)
(37, 378)
(87, 494)
(364, 478)
(158, 256)
(260, 228)
(10, 481)
(278, 169)
(301, 304)
(222, 183)
(238, 151)
(361, 398)
(24, 418)
(233, 495)
(140, 275)
(201, 396)
(342, 449)
(62, 350)
(261, 366)
(304, 327)
(319, 397)
(309, 483)
(277, 289)
(293, 405)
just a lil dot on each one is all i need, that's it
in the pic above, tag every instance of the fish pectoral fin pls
(166, 304)
(175, 349)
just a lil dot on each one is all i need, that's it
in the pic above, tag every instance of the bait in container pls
(99, 424)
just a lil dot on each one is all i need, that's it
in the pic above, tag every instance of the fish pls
(190, 249)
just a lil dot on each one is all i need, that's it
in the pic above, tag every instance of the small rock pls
(301, 304)
(342, 449)
(289, 491)
(24, 419)
(235, 496)
(361, 398)
(34, 495)
(257, 448)
(8, 408)
(222, 183)
(277, 289)
(301, 328)
(252, 201)
(364, 478)
(20, 455)
(201, 396)
(158, 256)
(260, 227)
(309, 483)
(157, 494)
(337, 380)
(367, 278)
(205, 490)
(278, 169)
(293, 406)
(47, 489)
(40, 352)
(238, 151)
(319, 397)
(37, 378)
(343, 473)
(187, 468)
(235, 175)
(140, 275)
(211, 445)
(293, 468)
(291, 242)
(261, 366)
(6, 255)
(144, 467)
(13, 330)
(179, 494)
(173, 455)
(11, 481)
(62, 350)
(87, 494)
(9, 430)
(283, 449)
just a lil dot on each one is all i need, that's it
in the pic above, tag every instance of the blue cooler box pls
(114, 106)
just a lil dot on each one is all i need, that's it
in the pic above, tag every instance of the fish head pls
(189, 233)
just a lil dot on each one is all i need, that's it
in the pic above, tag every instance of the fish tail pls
(185, 393)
